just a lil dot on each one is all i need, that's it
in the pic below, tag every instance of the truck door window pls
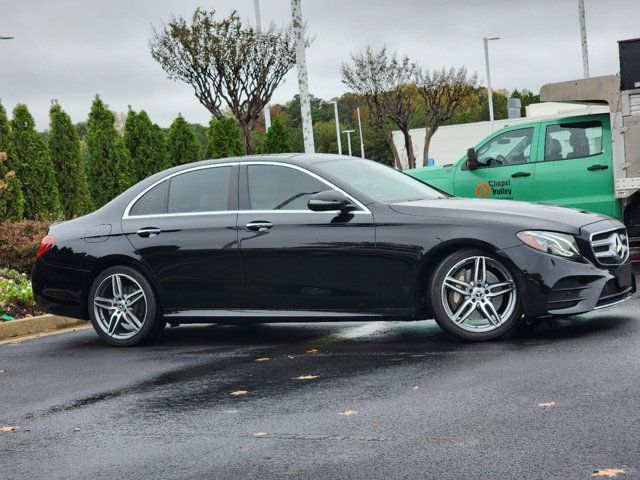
(573, 140)
(509, 148)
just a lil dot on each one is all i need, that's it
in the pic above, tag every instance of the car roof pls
(293, 158)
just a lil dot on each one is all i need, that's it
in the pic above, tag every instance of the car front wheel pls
(474, 296)
(123, 307)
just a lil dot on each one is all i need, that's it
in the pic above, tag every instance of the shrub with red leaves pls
(19, 242)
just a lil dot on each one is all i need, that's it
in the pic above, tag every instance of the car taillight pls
(45, 245)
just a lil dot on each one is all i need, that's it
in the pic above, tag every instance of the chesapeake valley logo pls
(501, 188)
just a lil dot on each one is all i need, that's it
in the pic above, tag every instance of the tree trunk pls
(246, 135)
(408, 145)
(388, 136)
(428, 135)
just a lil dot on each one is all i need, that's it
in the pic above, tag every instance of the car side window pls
(573, 140)
(153, 202)
(508, 148)
(272, 187)
(203, 190)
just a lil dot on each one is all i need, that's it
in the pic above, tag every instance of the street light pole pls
(360, 132)
(583, 38)
(349, 132)
(338, 138)
(303, 81)
(267, 111)
(486, 58)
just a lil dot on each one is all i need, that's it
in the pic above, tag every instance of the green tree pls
(64, 147)
(146, 144)
(11, 198)
(33, 166)
(182, 143)
(110, 170)
(224, 138)
(277, 139)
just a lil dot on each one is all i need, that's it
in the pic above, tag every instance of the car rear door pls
(297, 259)
(505, 168)
(576, 169)
(184, 228)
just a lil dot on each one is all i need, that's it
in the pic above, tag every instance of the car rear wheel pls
(475, 296)
(123, 307)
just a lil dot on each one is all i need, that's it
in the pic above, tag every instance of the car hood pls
(533, 216)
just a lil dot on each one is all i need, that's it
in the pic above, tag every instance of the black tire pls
(152, 322)
(508, 311)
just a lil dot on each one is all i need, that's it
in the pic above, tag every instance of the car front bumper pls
(552, 285)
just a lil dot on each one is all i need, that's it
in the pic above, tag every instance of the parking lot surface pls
(559, 399)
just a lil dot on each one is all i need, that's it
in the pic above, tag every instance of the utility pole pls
(486, 58)
(266, 112)
(303, 81)
(360, 132)
(338, 138)
(583, 37)
(349, 132)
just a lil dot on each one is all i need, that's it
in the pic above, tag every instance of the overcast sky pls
(72, 49)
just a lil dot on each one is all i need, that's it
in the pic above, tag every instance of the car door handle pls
(147, 232)
(258, 226)
(597, 167)
(521, 174)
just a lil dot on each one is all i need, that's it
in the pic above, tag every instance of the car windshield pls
(381, 183)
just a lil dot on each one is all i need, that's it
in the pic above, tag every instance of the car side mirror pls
(472, 159)
(330, 200)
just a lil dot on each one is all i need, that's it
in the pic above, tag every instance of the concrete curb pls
(34, 325)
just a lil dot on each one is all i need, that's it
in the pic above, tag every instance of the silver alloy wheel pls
(120, 306)
(478, 294)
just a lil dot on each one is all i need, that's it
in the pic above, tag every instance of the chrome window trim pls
(364, 210)
(620, 262)
(175, 174)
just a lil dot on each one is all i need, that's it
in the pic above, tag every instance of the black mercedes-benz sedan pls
(322, 237)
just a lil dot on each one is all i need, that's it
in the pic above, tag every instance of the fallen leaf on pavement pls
(9, 428)
(608, 472)
(313, 350)
(237, 393)
(260, 434)
(290, 356)
(547, 404)
(348, 413)
(306, 377)
(262, 359)
(76, 429)
(3, 371)
(416, 387)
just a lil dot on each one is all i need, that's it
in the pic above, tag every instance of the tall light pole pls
(303, 81)
(583, 37)
(338, 138)
(486, 58)
(349, 132)
(360, 133)
(266, 112)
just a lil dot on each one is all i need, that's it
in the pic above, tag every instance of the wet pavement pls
(376, 400)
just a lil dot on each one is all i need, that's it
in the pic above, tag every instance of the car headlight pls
(551, 242)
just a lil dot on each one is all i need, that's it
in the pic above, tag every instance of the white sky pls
(72, 49)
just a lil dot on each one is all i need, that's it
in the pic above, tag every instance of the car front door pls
(297, 259)
(505, 168)
(184, 228)
(576, 170)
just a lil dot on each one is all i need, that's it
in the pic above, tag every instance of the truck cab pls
(566, 161)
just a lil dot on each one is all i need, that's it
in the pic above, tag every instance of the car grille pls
(610, 247)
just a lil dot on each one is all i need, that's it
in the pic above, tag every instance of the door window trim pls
(360, 205)
(126, 215)
(233, 178)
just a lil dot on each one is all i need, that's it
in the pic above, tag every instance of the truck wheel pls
(475, 296)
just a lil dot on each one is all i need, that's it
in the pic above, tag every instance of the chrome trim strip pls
(607, 305)
(364, 210)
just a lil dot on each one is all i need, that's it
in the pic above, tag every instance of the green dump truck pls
(590, 162)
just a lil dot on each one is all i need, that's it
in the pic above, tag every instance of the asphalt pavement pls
(384, 400)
